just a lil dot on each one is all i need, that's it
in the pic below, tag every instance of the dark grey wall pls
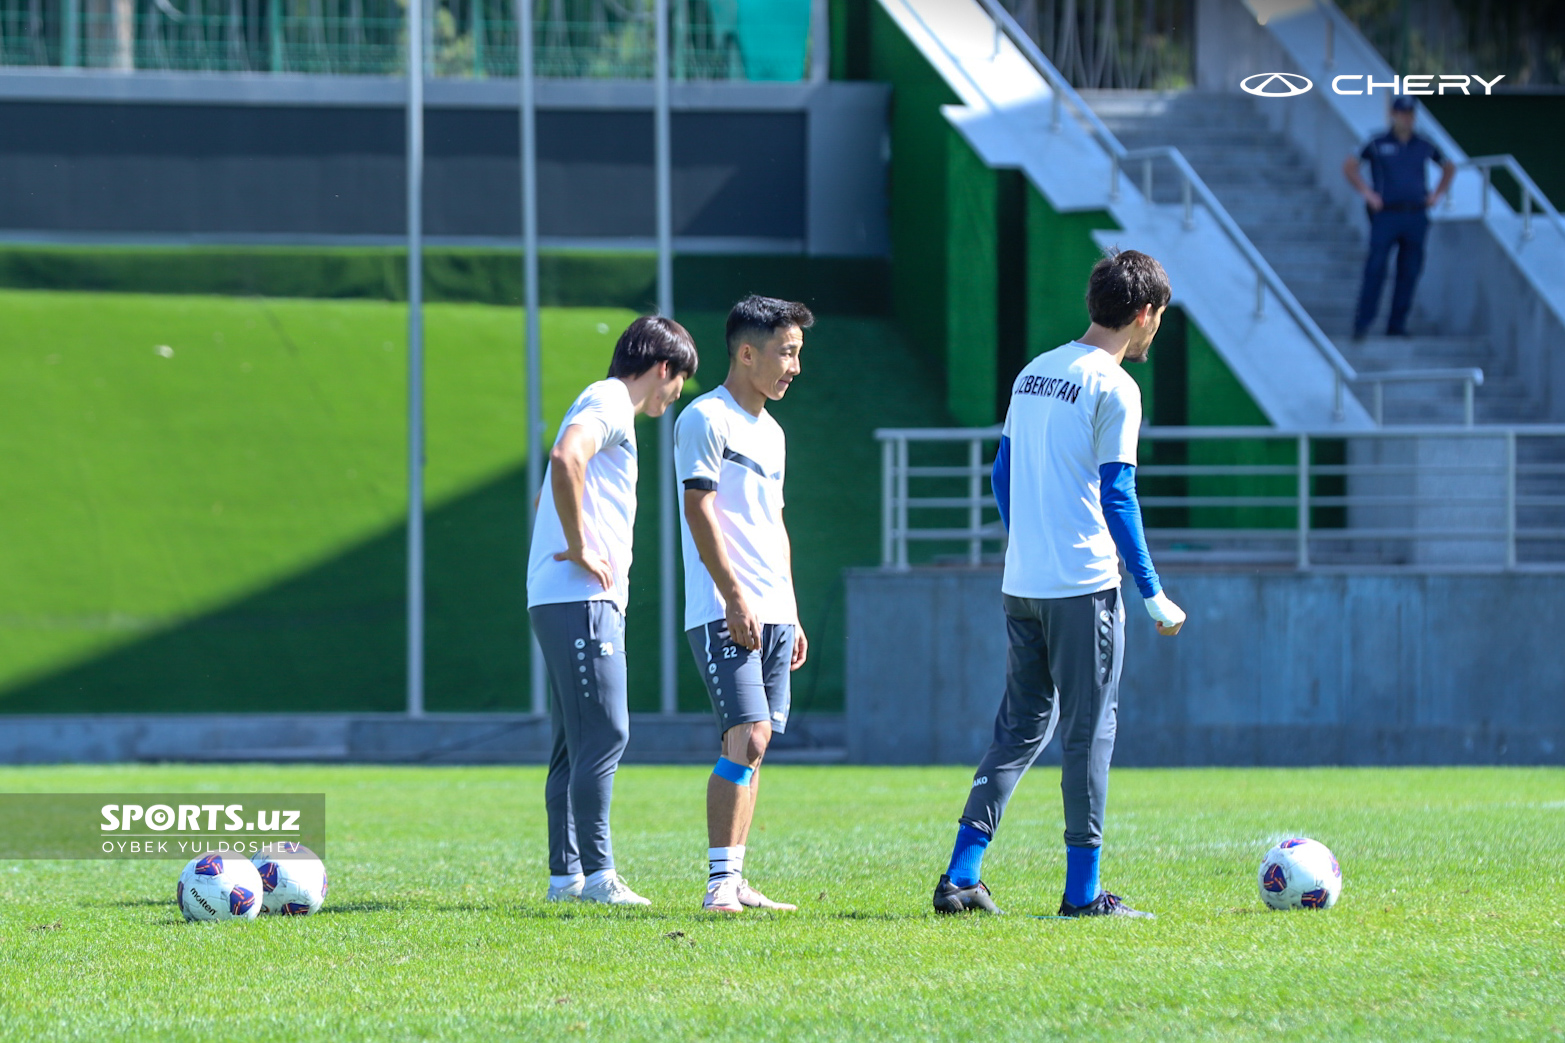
(759, 168)
(140, 167)
(1272, 668)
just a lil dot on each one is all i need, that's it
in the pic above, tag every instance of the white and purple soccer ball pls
(1300, 874)
(293, 878)
(219, 885)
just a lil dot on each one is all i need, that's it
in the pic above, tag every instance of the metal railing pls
(1531, 195)
(1415, 498)
(1192, 190)
(463, 38)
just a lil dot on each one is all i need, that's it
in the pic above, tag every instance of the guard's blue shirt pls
(1397, 167)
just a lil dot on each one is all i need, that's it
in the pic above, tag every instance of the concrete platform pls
(1273, 668)
(374, 738)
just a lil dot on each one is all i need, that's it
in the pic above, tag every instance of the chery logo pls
(1291, 84)
(1276, 84)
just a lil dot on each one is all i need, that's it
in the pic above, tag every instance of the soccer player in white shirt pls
(1064, 480)
(740, 613)
(577, 574)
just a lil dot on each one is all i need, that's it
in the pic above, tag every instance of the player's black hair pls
(765, 316)
(652, 339)
(1122, 284)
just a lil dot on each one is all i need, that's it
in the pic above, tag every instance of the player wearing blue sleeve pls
(1064, 480)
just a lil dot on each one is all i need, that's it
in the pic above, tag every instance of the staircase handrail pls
(1531, 193)
(1266, 277)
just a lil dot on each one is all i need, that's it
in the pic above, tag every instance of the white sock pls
(725, 861)
(600, 878)
(570, 879)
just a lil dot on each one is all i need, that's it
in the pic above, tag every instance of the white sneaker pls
(722, 895)
(569, 892)
(609, 889)
(750, 898)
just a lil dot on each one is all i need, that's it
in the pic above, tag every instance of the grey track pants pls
(1073, 647)
(583, 646)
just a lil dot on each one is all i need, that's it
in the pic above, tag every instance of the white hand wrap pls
(1162, 609)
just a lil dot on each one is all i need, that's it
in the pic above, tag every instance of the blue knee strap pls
(738, 774)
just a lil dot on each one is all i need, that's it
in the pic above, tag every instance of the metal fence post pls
(1380, 402)
(1189, 200)
(1526, 213)
(1260, 295)
(1467, 402)
(975, 508)
(1113, 178)
(1054, 108)
(1146, 178)
(888, 493)
(901, 503)
(1510, 500)
(1304, 501)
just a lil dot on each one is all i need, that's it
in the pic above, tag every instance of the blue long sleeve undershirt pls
(1121, 511)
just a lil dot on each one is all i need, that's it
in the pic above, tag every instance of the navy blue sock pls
(967, 856)
(1081, 874)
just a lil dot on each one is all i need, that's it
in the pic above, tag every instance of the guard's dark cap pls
(1403, 104)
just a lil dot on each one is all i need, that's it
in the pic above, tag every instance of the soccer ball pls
(219, 886)
(293, 878)
(1300, 874)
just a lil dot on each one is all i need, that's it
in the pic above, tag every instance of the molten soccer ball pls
(1300, 874)
(219, 886)
(293, 878)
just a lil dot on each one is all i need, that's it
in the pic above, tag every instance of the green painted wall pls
(972, 290)
(1060, 256)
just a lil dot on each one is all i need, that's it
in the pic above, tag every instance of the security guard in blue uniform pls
(1398, 201)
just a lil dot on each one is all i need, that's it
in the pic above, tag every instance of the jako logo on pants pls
(1276, 84)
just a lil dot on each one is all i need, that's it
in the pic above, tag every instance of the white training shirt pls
(719, 445)
(1072, 410)
(608, 503)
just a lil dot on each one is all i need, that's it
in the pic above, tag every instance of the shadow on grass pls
(333, 638)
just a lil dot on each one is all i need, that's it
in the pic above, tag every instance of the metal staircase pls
(1271, 192)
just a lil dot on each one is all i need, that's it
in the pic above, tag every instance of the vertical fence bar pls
(538, 678)
(1337, 411)
(1331, 40)
(888, 493)
(901, 503)
(1510, 500)
(415, 202)
(1054, 109)
(1304, 502)
(668, 631)
(71, 33)
(1380, 402)
(477, 30)
(820, 40)
(1526, 213)
(274, 29)
(975, 493)
(1485, 199)
(1260, 295)
(1146, 179)
(1188, 194)
(1113, 178)
(1467, 402)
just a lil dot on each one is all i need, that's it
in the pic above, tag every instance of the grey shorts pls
(746, 686)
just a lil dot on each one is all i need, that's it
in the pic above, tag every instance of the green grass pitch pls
(1451, 923)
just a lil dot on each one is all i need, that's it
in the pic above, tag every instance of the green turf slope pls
(218, 526)
(1449, 926)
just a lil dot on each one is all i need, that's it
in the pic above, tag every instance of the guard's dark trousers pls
(1064, 661)
(1406, 230)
